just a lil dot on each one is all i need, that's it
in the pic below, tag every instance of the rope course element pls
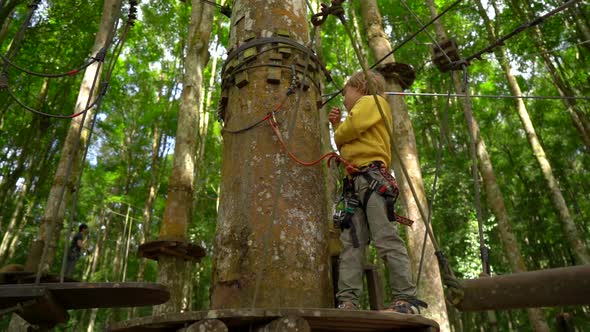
(400, 45)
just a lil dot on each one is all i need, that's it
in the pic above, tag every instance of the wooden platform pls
(82, 295)
(320, 320)
(187, 251)
(46, 304)
(25, 277)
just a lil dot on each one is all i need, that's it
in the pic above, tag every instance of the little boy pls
(362, 139)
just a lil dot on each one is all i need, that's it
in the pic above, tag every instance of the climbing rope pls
(434, 187)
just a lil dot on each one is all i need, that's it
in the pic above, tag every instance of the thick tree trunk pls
(495, 199)
(431, 287)
(177, 213)
(63, 183)
(272, 231)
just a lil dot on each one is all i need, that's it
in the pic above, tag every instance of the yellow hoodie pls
(362, 137)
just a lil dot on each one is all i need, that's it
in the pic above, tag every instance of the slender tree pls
(63, 183)
(177, 213)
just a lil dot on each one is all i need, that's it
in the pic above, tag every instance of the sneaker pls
(406, 307)
(347, 305)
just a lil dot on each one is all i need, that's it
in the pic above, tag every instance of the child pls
(362, 139)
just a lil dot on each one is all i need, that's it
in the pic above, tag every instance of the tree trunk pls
(271, 240)
(63, 183)
(431, 287)
(177, 213)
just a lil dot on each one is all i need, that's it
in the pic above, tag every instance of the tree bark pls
(431, 287)
(177, 213)
(63, 184)
(271, 238)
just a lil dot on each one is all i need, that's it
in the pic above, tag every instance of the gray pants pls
(390, 247)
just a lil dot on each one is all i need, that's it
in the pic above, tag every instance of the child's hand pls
(334, 116)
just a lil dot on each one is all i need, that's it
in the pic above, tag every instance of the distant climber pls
(79, 242)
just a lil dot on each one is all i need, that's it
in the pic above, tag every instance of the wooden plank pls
(319, 320)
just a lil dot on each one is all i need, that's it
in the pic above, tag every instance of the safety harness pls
(385, 186)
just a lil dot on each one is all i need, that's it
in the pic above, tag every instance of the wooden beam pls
(544, 288)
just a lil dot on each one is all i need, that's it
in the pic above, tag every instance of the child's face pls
(351, 96)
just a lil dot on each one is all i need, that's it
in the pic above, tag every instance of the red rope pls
(330, 155)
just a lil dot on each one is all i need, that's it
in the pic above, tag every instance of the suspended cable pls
(557, 49)
(521, 28)
(58, 116)
(425, 31)
(104, 86)
(99, 57)
(461, 95)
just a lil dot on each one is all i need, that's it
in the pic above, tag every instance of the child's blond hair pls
(359, 82)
